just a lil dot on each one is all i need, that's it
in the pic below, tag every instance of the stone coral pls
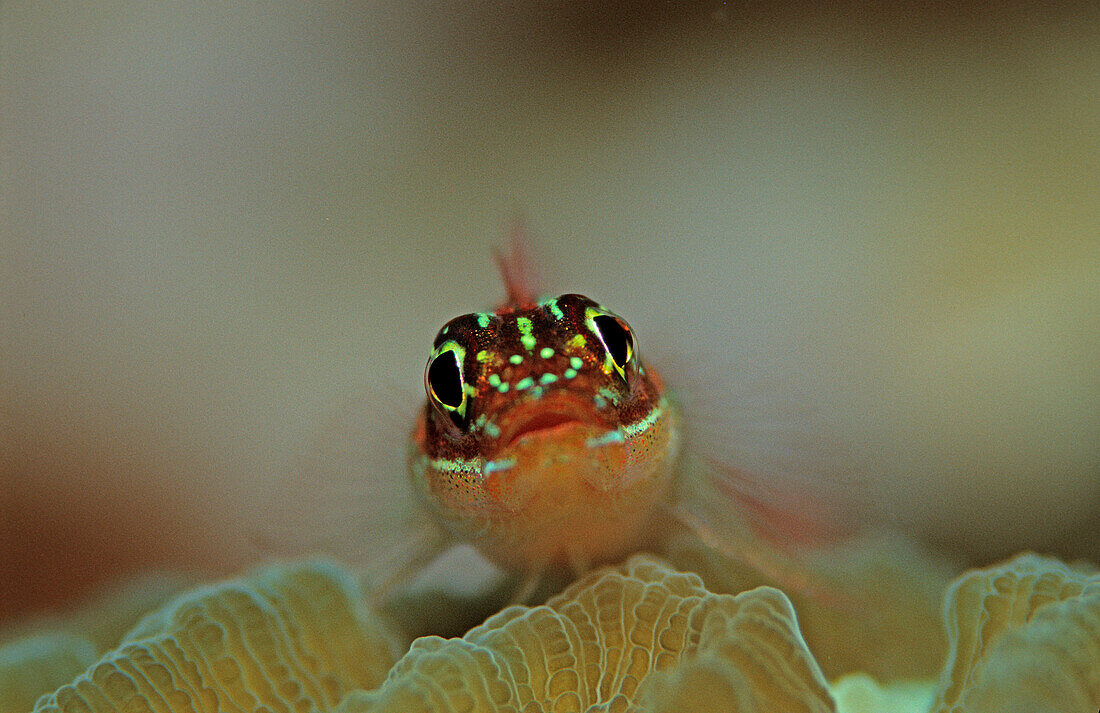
(294, 638)
(890, 627)
(860, 693)
(1024, 636)
(640, 637)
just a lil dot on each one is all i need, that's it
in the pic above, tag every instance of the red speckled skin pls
(561, 459)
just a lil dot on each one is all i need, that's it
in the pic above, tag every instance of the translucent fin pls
(528, 585)
(753, 402)
(779, 568)
(775, 512)
(747, 522)
(399, 566)
(513, 261)
(347, 494)
(579, 564)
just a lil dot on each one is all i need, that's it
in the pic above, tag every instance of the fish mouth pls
(547, 416)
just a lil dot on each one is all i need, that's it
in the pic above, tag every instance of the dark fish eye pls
(444, 383)
(616, 338)
(445, 379)
(614, 334)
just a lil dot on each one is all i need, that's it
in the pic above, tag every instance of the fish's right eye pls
(443, 380)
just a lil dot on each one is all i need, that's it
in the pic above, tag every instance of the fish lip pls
(545, 415)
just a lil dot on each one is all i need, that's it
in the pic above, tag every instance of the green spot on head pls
(492, 430)
(503, 387)
(546, 352)
(577, 342)
(524, 325)
(516, 359)
(576, 362)
(599, 401)
(525, 383)
(570, 373)
(483, 320)
(552, 305)
(548, 379)
(494, 379)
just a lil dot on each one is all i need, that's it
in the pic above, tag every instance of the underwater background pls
(865, 241)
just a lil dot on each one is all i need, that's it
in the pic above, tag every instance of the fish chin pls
(545, 453)
(556, 464)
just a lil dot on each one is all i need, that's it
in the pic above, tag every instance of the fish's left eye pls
(616, 338)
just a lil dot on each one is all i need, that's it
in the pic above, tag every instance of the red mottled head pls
(545, 439)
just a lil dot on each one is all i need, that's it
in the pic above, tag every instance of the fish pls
(545, 440)
(548, 443)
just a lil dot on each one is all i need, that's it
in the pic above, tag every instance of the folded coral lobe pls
(287, 638)
(641, 637)
(1024, 636)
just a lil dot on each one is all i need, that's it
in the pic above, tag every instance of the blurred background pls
(863, 241)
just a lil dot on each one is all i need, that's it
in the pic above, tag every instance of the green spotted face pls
(483, 362)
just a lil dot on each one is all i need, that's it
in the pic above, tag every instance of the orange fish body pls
(545, 441)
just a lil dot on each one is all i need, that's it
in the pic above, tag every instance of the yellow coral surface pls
(1025, 636)
(640, 637)
(289, 638)
(860, 693)
(889, 626)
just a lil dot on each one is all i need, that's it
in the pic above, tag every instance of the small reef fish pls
(546, 440)
(550, 445)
